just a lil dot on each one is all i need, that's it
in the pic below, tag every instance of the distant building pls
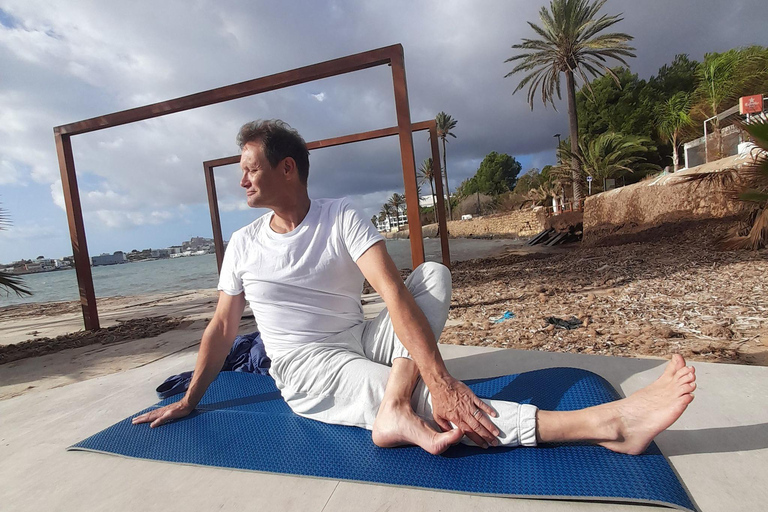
(197, 242)
(108, 259)
(427, 201)
(705, 149)
(160, 253)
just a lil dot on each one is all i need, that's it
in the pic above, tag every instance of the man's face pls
(262, 182)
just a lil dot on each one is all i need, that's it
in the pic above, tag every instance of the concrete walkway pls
(719, 447)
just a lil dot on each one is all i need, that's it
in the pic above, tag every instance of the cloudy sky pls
(142, 185)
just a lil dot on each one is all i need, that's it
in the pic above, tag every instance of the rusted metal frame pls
(77, 231)
(431, 126)
(340, 66)
(407, 157)
(210, 187)
(392, 55)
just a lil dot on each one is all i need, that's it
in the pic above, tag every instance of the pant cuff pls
(526, 424)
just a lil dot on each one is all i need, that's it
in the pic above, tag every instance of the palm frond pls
(11, 283)
(571, 40)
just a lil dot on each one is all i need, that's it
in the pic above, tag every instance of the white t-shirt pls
(302, 286)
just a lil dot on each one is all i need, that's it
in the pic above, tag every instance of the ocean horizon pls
(199, 272)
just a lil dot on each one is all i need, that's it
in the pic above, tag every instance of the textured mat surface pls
(242, 422)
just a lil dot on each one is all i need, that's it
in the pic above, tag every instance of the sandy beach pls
(667, 293)
(654, 297)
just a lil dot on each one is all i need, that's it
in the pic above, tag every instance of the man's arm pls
(453, 402)
(214, 348)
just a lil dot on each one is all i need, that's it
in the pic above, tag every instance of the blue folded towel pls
(247, 355)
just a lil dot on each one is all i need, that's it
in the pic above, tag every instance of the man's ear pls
(289, 166)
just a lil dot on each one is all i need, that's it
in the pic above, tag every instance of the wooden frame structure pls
(431, 126)
(388, 55)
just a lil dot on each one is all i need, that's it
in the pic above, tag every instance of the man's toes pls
(675, 364)
(685, 375)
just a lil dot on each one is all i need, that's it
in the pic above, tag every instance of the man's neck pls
(288, 217)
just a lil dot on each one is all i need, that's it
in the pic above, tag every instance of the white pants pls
(341, 380)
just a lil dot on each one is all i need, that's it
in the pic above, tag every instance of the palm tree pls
(445, 124)
(569, 44)
(395, 202)
(748, 184)
(10, 283)
(672, 117)
(754, 192)
(610, 155)
(427, 174)
(386, 212)
(717, 85)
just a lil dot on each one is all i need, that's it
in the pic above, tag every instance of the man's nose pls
(244, 182)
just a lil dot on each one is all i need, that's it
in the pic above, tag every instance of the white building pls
(390, 223)
(427, 201)
(108, 259)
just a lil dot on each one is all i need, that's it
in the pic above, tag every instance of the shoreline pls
(673, 294)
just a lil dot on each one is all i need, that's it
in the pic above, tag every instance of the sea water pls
(197, 272)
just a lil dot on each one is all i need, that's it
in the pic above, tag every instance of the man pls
(301, 267)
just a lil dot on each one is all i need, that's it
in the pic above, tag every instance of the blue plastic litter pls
(506, 316)
(243, 422)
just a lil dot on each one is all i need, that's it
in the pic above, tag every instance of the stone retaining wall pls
(520, 223)
(662, 200)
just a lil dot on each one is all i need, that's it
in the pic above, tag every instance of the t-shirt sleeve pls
(229, 277)
(359, 233)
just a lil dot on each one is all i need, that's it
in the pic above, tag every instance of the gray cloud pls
(65, 62)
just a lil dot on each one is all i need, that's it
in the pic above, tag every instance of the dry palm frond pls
(721, 179)
(748, 184)
(756, 236)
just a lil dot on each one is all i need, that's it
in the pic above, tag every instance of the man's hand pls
(453, 402)
(163, 415)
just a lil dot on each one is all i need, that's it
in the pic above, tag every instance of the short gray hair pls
(279, 141)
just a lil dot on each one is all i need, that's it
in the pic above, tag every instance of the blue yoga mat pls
(243, 423)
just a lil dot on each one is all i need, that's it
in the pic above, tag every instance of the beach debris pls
(571, 323)
(508, 315)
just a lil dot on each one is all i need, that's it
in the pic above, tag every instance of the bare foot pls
(646, 413)
(398, 425)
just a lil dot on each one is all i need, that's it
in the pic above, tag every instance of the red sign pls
(751, 104)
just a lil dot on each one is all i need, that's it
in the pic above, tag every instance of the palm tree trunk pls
(434, 201)
(447, 190)
(675, 156)
(573, 124)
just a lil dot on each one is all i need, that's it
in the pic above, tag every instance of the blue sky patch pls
(7, 20)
